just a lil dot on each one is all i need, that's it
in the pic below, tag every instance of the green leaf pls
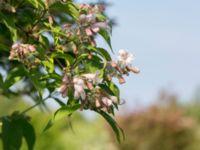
(44, 41)
(14, 75)
(66, 56)
(119, 133)
(59, 101)
(102, 52)
(107, 89)
(37, 3)
(4, 48)
(9, 23)
(113, 87)
(29, 134)
(48, 126)
(12, 133)
(1, 81)
(106, 37)
(49, 65)
(69, 8)
(35, 78)
(14, 128)
(65, 111)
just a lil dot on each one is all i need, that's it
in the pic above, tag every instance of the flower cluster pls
(121, 67)
(90, 22)
(21, 51)
(89, 19)
(86, 89)
(77, 40)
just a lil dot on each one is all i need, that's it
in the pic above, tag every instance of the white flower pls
(99, 25)
(92, 77)
(79, 87)
(114, 99)
(125, 58)
(87, 18)
(106, 101)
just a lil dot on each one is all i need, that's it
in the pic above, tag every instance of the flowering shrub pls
(50, 46)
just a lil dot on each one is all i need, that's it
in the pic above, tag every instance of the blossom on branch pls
(79, 88)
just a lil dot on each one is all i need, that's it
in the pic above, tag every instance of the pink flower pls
(92, 77)
(79, 87)
(106, 101)
(87, 18)
(99, 25)
(21, 50)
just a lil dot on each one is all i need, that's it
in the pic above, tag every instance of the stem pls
(30, 108)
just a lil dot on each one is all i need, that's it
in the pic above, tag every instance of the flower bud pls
(89, 85)
(121, 79)
(50, 19)
(97, 103)
(133, 69)
(88, 32)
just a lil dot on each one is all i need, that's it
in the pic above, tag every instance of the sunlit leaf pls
(65, 111)
(106, 37)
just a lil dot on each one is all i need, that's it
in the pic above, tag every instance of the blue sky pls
(165, 37)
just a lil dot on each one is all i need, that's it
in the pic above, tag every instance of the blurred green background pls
(165, 125)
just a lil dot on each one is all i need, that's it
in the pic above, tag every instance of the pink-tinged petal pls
(104, 109)
(82, 18)
(91, 17)
(106, 101)
(95, 29)
(88, 32)
(50, 19)
(62, 88)
(31, 48)
(101, 25)
(114, 99)
(90, 86)
(15, 46)
(76, 94)
(134, 69)
(97, 103)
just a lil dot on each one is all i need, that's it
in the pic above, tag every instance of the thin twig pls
(30, 108)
